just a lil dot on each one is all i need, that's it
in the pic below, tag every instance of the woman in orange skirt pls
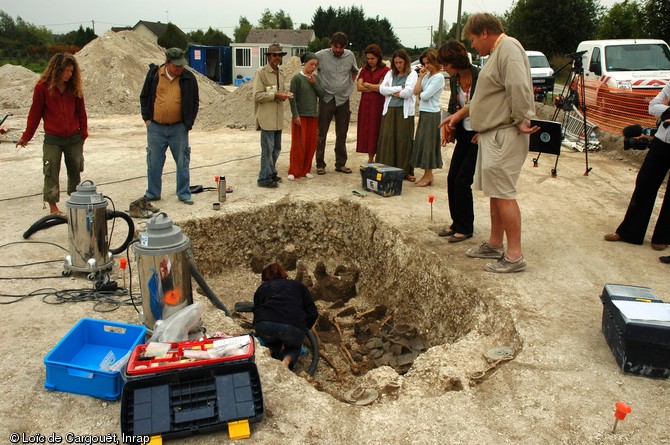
(306, 88)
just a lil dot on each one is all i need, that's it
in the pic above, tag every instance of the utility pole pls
(431, 36)
(458, 21)
(93, 25)
(439, 27)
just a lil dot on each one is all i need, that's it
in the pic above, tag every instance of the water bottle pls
(222, 188)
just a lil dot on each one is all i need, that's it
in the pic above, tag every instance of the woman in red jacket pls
(58, 100)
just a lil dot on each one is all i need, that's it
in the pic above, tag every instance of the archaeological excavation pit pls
(390, 311)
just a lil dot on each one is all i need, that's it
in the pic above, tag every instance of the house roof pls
(157, 28)
(293, 37)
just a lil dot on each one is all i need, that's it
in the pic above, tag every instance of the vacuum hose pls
(209, 293)
(53, 220)
(111, 214)
(44, 223)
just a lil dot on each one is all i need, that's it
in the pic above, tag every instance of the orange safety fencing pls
(613, 109)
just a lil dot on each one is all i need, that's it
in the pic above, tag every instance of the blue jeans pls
(270, 149)
(159, 137)
(275, 335)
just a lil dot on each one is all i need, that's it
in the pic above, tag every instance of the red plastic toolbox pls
(237, 348)
(175, 399)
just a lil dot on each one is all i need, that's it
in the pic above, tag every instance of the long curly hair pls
(52, 74)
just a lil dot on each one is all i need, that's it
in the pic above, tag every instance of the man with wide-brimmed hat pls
(169, 101)
(269, 96)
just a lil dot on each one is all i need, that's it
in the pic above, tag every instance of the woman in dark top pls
(462, 81)
(283, 312)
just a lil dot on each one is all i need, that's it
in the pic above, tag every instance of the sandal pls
(320, 171)
(446, 232)
(410, 178)
(457, 239)
(343, 169)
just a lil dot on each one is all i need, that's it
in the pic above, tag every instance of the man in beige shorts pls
(500, 112)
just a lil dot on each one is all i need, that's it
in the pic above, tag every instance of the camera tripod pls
(573, 96)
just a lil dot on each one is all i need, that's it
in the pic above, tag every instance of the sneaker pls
(276, 179)
(268, 184)
(187, 201)
(145, 204)
(156, 198)
(309, 176)
(485, 251)
(290, 178)
(504, 265)
(136, 211)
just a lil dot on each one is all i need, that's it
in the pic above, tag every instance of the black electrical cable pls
(100, 297)
(140, 177)
(31, 264)
(46, 277)
(34, 293)
(34, 242)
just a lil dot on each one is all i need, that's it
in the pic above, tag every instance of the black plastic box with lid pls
(640, 346)
(183, 401)
(382, 179)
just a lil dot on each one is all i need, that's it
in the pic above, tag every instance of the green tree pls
(278, 20)
(17, 35)
(554, 32)
(360, 31)
(325, 22)
(241, 32)
(81, 37)
(657, 19)
(623, 21)
(213, 37)
(173, 38)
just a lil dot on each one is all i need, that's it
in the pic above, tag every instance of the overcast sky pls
(411, 20)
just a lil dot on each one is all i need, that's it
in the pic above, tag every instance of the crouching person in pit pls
(283, 313)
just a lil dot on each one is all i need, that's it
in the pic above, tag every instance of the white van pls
(625, 65)
(541, 73)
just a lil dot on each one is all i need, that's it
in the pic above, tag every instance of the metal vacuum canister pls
(163, 261)
(222, 188)
(87, 230)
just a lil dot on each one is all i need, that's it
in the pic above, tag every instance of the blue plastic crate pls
(73, 365)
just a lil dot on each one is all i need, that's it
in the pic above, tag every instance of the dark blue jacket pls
(285, 301)
(190, 99)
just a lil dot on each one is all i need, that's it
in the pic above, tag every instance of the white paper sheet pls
(639, 310)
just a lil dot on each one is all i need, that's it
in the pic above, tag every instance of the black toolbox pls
(177, 401)
(382, 179)
(636, 325)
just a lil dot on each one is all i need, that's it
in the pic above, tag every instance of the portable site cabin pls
(215, 62)
(247, 57)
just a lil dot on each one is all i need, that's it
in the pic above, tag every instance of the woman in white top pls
(396, 135)
(653, 171)
(427, 152)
